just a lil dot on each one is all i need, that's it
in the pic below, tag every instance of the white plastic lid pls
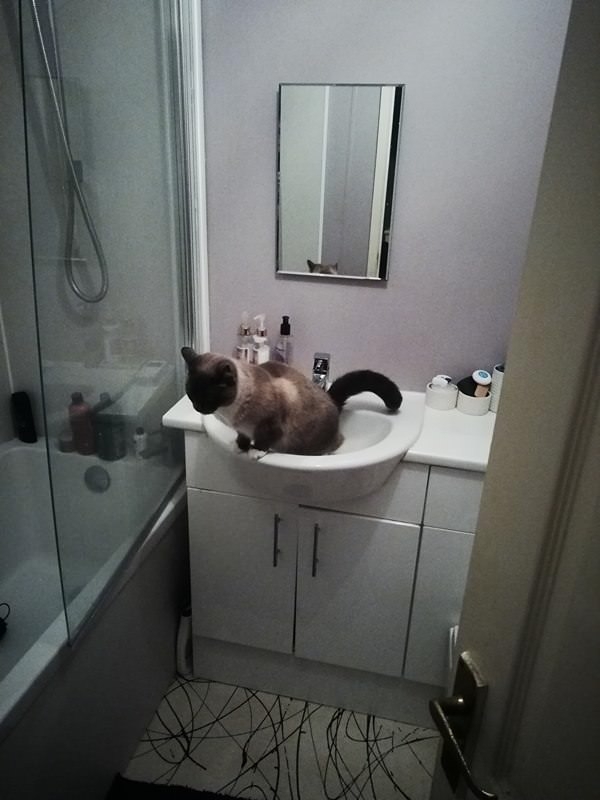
(482, 377)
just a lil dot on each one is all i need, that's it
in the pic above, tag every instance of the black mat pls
(124, 789)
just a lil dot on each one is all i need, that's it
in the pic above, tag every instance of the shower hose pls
(74, 181)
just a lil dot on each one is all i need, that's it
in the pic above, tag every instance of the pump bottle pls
(243, 348)
(261, 351)
(283, 348)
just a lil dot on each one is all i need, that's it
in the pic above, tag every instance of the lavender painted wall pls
(480, 80)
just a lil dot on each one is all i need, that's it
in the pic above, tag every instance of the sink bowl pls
(375, 441)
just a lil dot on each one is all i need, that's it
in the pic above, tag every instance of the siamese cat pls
(273, 406)
(322, 269)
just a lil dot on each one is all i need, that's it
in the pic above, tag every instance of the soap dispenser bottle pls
(243, 348)
(261, 351)
(283, 348)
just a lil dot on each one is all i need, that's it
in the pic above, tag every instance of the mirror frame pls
(383, 266)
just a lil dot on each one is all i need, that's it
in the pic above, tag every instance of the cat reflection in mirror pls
(272, 406)
(322, 269)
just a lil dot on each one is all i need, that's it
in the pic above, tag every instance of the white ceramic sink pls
(374, 442)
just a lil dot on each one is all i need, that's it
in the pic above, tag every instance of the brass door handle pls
(457, 719)
(440, 710)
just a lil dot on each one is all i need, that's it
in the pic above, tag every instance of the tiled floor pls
(261, 746)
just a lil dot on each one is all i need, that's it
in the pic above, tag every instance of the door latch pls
(457, 719)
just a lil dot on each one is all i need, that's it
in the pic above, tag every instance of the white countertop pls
(454, 439)
(447, 439)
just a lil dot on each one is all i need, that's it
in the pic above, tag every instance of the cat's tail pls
(365, 380)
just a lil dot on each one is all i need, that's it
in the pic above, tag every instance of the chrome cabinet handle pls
(315, 560)
(276, 550)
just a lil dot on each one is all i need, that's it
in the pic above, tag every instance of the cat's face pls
(322, 269)
(211, 381)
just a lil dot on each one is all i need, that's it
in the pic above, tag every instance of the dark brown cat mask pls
(211, 381)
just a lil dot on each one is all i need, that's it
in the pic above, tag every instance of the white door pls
(355, 582)
(531, 616)
(243, 569)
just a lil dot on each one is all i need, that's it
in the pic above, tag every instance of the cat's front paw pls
(256, 455)
(243, 442)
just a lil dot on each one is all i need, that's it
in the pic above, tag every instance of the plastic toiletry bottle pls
(140, 441)
(283, 348)
(23, 417)
(243, 347)
(261, 351)
(109, 428)
(82, 428)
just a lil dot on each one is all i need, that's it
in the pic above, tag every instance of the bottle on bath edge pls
(243, 348)
(140, 441)
(80, 420)
(283, 348)
(261, 351)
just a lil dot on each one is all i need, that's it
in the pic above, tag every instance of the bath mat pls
(124, 789)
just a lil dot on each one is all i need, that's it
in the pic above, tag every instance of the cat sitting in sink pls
(272, 406)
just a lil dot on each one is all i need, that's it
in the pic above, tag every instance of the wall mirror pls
(336, 169)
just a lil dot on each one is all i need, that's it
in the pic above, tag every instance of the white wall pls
(301, 170)
(480, 80)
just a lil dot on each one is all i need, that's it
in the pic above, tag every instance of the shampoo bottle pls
(243, 347)
(80, 420)
(109, 426)
(23, 417)
(283, 348)
(261, 351)
(140, 442)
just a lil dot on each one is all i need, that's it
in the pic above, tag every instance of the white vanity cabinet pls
(372, 584)
(348, 603)
(330, 587)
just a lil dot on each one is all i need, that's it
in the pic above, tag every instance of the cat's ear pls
(311, 265)
(189, 354)
(227, 374)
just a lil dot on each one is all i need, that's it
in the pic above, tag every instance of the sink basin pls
(374, 442)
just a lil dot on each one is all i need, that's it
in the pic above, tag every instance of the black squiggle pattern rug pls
(247, 744)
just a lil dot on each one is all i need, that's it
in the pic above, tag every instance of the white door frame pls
(194, 169)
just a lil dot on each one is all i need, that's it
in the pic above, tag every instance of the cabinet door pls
(355, 580)
(453, 498)
(243, 566)
(440, 586)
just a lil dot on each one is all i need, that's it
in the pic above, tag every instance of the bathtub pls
(106, 530)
